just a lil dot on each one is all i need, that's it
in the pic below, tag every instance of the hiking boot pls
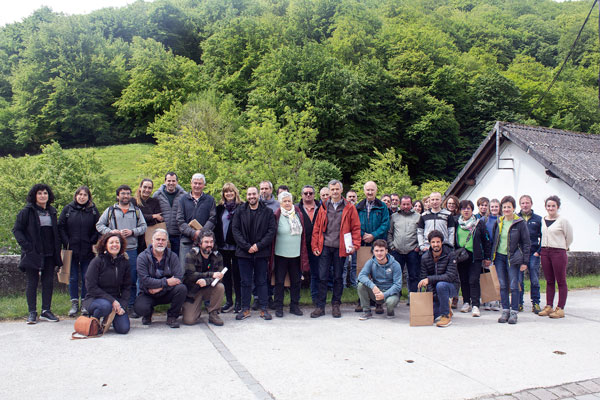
(237, 307)
(390, 313)
(366, 315)
(172, 322)
(465, 308)
(535, 308)
(32, 318)
(243, 315)
(131, 312)
(512, 319)
(504, 316)
(147, 320)
(496, 305)
(47, 315)
(379, 309)
(520, 307)
(255, 304)
(454, 303)
(84, 311)
(557, 313)
(213, 318)
(279, 313)
(228, 307)
(444, 321)
(296, 310)
(317, 312)
(74, 308)
(545, 312)
(476, 312)
(335, 310)
(264, 314)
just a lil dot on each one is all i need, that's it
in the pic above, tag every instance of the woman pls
(489, 221)
(108, 282)
(426, 205)
(418, 207)
(472, 236)
(289, 254)
(511, 253)
(36, 231)
(451, 204)
(557, 236)
(77, 228)
(230, 199)
(149, 206)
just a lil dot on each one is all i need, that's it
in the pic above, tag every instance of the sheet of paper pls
(348, 241)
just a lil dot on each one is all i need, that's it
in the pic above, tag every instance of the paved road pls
(302, 358)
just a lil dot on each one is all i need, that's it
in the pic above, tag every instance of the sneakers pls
(47, 315)
(147, 320)
(131, 312)
(243, 315)
(546, 311)
(390, 313)
(487, 306)
(379, 309)
(228, 307)
(465, 308)
(366, 315)
(296, 310)
(476, 312)
(444, 321)
(74, 308)
(504, 316)
(535, 308)
(454, 304)
(213, 318)
(238, 306)
(358, 308)
(264, 314)
(255, 304)
(279, 313)
(32, 318)
(557, 313)
(172, 322)
(495, 305)
(317, 312)
(512, 319)
(335, 310)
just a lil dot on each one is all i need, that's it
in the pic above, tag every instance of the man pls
(324, 194)
(282, 188)
(404, 242)
(266, 195)
(126, 219)
(436, 219)
(387, 200)
(202, 268)
(482, 207)
(253, 228)
(374, 219)
(336, 219)
(352, 196)
(534, 225)
(169, 194)
(395, 202)
(198, 206)
(160, 280)
(440, 276)
(380, 280)
(309, 208)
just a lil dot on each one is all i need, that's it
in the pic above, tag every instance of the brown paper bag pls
(363, 255)
(64, 273)
(490, 286)
(421, 308)
(150, 231)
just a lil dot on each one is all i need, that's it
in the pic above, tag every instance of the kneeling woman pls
(108, 282)
(290, 254)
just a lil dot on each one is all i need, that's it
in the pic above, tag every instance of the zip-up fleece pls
(387, 277)
(442, 221)
(132, 219)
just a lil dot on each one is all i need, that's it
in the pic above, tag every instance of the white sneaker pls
(476, 312)
(465, 308)
(496, 306)
(487, 306)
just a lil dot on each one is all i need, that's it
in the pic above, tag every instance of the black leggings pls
(469, 273)
(33, 277)
(283, 266)
(231, 280)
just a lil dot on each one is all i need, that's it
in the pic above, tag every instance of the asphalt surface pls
(303, 358)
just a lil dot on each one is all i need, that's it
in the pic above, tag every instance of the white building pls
(519, 159)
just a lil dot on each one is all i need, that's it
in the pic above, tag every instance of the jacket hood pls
(390, 260)
(376, 203)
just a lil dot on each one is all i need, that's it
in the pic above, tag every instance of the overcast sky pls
(16, 10)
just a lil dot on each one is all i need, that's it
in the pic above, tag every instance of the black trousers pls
(174, 295)
(283, 266)
(33, 277)
(469, 273)
(231, 279)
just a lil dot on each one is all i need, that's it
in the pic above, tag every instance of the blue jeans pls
(508, 277)
(78, 270)
(100, 308)
(134, 278)
(413, 263)
(444, 292)
(534, 278)
(314, 276)
(254, 270)
(330, 256)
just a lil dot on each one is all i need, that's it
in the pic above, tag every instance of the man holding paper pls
(336, 234)
(203, 272)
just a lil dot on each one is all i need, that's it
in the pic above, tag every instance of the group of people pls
(205, 251)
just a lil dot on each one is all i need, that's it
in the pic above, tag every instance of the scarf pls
(230, 207)
(295, 226)
(468, 225)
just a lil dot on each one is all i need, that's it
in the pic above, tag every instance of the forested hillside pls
(330, 81)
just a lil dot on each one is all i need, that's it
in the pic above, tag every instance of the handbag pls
(462, 254)
(90, 327)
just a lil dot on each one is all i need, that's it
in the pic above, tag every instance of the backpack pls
(111, 214)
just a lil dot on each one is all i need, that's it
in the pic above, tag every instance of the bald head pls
(370, 189)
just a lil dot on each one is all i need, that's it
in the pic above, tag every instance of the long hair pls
(138, 192)
(86, 189)
(102, 242)
(230, 187)
(456, 204)
(37, 188)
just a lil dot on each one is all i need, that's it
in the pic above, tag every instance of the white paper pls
(214, 282)
(348, 242)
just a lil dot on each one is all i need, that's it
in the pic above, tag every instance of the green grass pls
(15, 306)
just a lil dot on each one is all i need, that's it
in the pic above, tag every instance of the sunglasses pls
(308, 193)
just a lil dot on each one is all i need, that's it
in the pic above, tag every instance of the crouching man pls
(202, 267)
(440, 275)
(380, 280)
(160, 277)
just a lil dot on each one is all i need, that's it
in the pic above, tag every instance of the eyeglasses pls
(308, 193)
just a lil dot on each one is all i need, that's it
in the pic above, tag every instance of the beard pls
(160, 249)
(207, 251)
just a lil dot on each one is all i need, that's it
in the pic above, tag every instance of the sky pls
(16, 10)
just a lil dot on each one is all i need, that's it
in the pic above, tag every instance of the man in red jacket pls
(336, 234)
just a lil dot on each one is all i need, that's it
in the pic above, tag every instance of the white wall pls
(529, 177)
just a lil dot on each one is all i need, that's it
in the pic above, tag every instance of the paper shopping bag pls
(490, 286)
(363, 254)
(421, 308)
(64, 273)
(150, 231)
